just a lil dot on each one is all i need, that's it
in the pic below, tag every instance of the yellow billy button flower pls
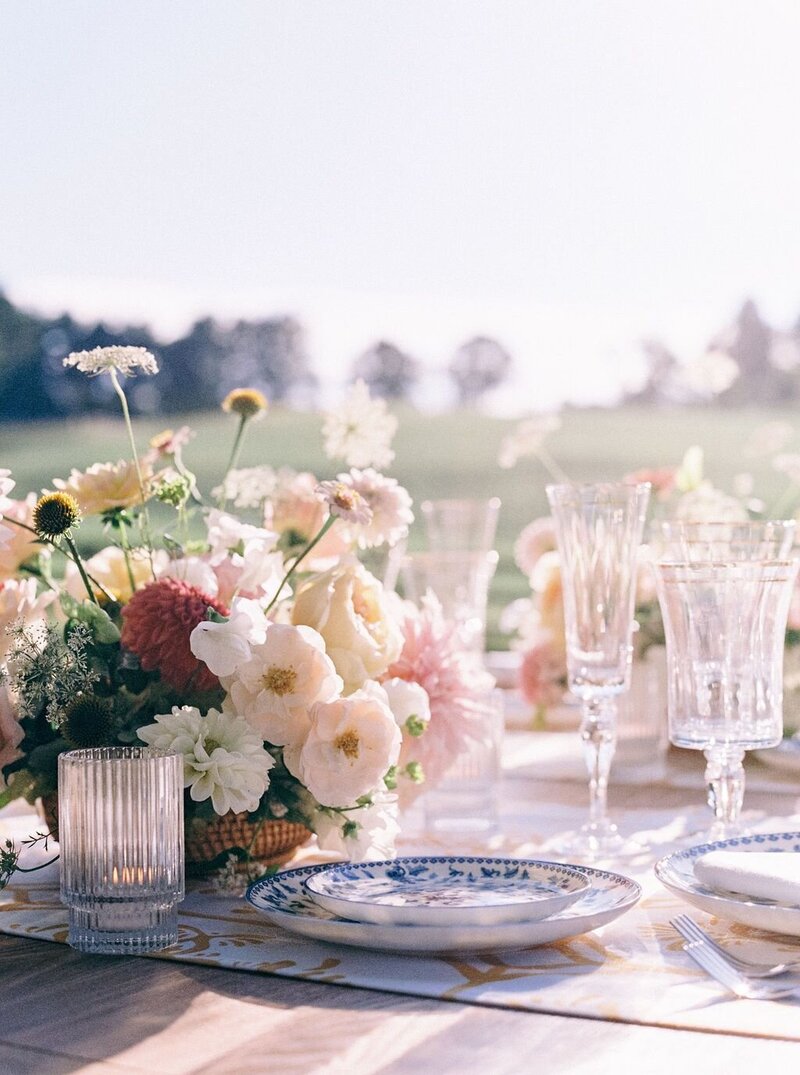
(55, 514)
(246, 402)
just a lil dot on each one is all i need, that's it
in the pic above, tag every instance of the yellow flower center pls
(348, 743)
(365, 604)
(279, 680)
(345, 498)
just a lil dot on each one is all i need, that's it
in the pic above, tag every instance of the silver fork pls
(752, 969)
(715, 965)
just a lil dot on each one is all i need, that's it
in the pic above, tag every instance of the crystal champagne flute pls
(599, 531)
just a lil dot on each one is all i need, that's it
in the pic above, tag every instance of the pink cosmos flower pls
(536, 539)
(662, 479)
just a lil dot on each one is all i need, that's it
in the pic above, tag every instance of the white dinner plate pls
(785, 756)
(447, 890)
(676, 871)
(284, 901)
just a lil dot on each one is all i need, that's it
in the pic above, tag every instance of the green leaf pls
(104, 630)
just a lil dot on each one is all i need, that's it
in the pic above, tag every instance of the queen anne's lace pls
(124, 360)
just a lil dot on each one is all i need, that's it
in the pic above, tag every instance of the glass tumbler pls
(120, 822)
(725, 627)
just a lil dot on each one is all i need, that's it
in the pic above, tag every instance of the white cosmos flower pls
(364, 835)
(225, 645)
(352, 744)
(248, 487)
(275, 688)
(360, 430)
(343, 501)
(194, 571)
(389, 503)
(124, 360)
(223, 758)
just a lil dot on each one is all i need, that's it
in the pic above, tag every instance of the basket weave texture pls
(274, 842)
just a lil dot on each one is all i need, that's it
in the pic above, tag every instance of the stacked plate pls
(678, 872)
(443, 903)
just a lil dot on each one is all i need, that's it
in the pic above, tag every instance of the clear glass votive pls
(120, 826)
(464, 803)
(461, 525)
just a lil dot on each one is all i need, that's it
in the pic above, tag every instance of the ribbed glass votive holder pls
(120, 824)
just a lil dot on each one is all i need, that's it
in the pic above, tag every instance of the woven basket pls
(207, 840)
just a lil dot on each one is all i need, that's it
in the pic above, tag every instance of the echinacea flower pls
(124, 360)
(157, 624)
(223, 758)
(344, 501)
(55, 514)
(105, 486)
(360, 430)
(87, 722)
(352, 744)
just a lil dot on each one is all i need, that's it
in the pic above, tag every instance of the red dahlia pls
(157, 623)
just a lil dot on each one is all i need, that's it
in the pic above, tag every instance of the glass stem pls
(599, 738)
(725, 780)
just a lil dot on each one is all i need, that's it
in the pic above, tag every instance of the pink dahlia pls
(433, 656)
(543, 675)
(158, 621)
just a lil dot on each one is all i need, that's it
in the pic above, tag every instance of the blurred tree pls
(749, 341)
(269, 355)
(478, 365)
(387, 371)
(663, 381)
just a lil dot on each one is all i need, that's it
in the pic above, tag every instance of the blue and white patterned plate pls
(676, 871)
(284, 901)
(447, 890)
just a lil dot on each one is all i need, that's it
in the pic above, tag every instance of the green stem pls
(79, 564)
(235, 453)
(53, 545)
(551, 465)
(126, 552)
(301, 556)
(145, 524)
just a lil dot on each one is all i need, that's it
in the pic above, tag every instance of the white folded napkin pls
(772, 875)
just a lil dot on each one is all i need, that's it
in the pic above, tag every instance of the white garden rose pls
(349, 608)
(284, 676)
(352, 744)
(223, 758)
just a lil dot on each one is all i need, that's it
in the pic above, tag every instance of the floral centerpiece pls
(255, 644)
(682, 491)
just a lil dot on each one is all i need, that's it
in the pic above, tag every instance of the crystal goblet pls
(599, 530)
(725, 625)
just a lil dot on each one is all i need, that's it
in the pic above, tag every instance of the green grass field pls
(451, 455)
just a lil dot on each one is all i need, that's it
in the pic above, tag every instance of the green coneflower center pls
(348, 743)
(279, 680)
(87, 722)
(54, 514)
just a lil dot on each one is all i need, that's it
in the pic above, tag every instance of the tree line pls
(198, 369)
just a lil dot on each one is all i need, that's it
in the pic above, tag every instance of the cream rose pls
(349, 608)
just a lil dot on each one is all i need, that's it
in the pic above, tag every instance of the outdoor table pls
(624, 996)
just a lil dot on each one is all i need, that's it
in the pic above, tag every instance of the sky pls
(568, 177)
